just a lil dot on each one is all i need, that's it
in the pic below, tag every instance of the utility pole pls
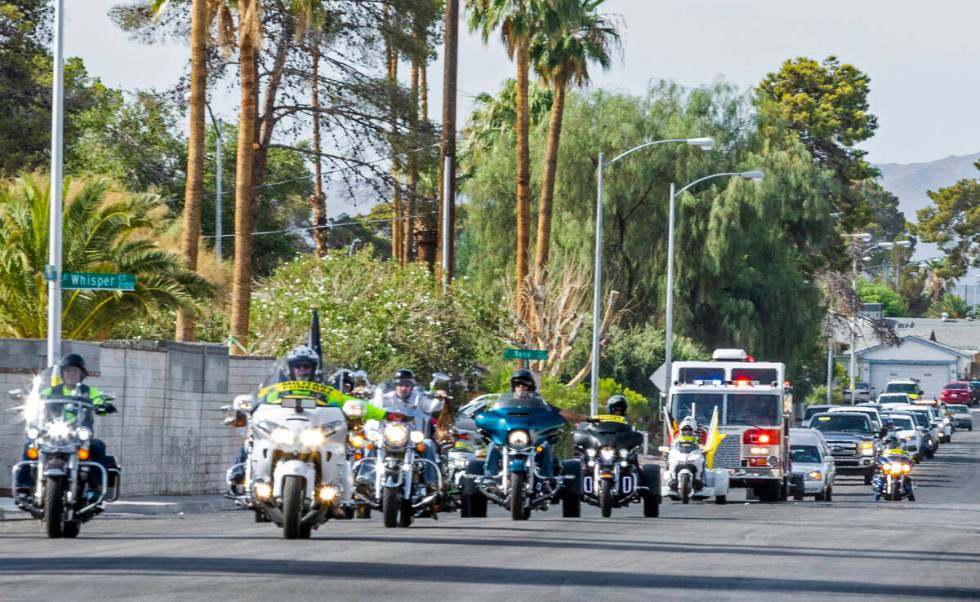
(53, 271)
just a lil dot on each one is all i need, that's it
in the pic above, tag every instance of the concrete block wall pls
(168, 435)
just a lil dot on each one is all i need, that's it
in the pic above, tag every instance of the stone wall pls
(168, 436)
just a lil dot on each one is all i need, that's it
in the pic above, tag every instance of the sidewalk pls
(145, 505)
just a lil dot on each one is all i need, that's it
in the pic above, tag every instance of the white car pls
(911, 436)
(810, 456)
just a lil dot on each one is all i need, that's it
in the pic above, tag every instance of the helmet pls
(522, 377)
(689, 423)
(440, 381)
(404, 376)
(343, 377)
(73, 360)
(300, 355)
(617, 404)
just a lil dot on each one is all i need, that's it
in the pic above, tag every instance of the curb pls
(149, 506)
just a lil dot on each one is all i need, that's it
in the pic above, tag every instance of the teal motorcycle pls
(523, 474)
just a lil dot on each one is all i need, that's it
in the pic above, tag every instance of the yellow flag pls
(713, 439)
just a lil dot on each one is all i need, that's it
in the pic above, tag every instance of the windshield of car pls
(844, 423)
(894, 398)
(900, 388)
(810, 411)
(704, 405)
(921, 418)
(753, 409)
(902, 423)
(862, 386)
(960, 386)
(958, 409)
(804, 453)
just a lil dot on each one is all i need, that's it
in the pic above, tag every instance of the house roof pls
(919, 340)
(963, 335)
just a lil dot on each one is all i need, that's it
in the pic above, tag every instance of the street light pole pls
(53, 274)
(755, 176)
(702, 143)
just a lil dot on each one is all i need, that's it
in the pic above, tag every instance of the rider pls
(892, 448)
(439, 389)
(688, 430)
(73, 372)
(523, 385)
(405, 396)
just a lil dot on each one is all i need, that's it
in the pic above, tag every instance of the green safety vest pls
(323, 395)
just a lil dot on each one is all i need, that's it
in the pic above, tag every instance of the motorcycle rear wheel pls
(605, 497)
(517, 496)
(292, 506)
(391, 502)
(54, 507)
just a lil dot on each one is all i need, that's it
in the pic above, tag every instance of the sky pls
(923, 58)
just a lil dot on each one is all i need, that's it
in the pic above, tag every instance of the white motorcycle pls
(296, 471)
(688, 476)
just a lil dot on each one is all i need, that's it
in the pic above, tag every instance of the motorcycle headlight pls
(396, 435)
(354, 409)
(33, 433)
(84, 434)
(58, 429)
(590, 452)
(312, 438)
(417, 436)
(283, 436)
(263, 491)
(607, 453)
(356, 440)
(906, 468)
(623, 453)
(518, 438)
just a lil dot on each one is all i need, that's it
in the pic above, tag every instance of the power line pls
(329, 226)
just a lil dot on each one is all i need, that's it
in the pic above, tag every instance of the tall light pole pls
(755, 176)
(53, 271)
(704, 144)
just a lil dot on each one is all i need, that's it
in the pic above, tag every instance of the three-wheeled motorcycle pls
(523, 473)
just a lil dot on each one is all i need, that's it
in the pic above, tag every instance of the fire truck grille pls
(728, 454)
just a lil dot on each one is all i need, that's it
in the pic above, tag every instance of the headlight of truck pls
(312, 438)
(396, 435)
(814, 475)
(283, 436)
(868, 448)
(607, 453)
(518, 438)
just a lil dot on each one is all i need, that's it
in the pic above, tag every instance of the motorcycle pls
(893, 479)
(613, 476)
(688, 476)
(296, 471)
(59, 438)
(392, 479)
(522, 428)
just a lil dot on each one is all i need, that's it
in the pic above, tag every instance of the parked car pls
(975, 391)
(852, 442)
(912, 436)
(957, 391)
(961, 416)
(862, 392)
(908, 386)
(811, 457)
(809, 411)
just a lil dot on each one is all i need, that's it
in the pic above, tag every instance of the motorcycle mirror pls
(664, 449)
(16, 393)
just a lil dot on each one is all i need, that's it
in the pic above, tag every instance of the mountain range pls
(910, 181)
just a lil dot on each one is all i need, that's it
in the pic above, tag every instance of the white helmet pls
(301, 354)
(689, 422)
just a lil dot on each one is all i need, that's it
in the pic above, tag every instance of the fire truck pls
(754, 407)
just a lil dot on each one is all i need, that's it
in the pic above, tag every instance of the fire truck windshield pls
(746, 409)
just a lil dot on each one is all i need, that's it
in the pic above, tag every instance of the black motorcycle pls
(613, 477)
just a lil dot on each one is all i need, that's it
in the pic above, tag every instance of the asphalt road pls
(850, 547)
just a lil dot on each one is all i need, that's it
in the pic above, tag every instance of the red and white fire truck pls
(754, 407)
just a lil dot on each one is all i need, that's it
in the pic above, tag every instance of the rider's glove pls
(105, 408)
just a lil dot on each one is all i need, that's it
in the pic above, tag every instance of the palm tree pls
(249, 30)
(518, 21)
(560, 58)
(103, 232)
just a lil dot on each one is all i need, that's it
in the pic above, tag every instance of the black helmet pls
(73, 360)
(522, 377)
(617, 404)
(404, 376)
(344, 377)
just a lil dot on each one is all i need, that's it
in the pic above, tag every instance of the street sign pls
(659, 378)
(98, 282)
(525, 354)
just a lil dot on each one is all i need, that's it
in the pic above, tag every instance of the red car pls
(957, 391)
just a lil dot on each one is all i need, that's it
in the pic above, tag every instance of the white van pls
(811, 457)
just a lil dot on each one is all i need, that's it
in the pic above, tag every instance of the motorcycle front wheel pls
(684, 488)
(517, 496)
(391, 503)
(54, 507)
(605, 497)
(292, 507)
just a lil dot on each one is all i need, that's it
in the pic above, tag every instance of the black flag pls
(313, 339)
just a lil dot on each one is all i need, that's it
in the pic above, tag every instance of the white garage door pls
(931, 377)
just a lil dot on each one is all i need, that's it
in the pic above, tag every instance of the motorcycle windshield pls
(41, 408)
(529, 412)
(282, 387)
(615, 434)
